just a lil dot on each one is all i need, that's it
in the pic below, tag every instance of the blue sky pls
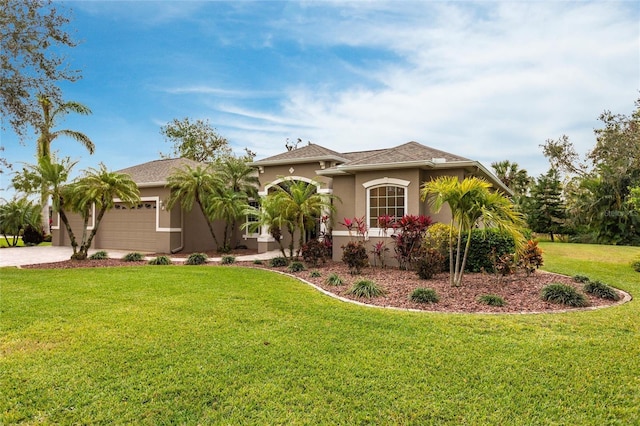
(485, 80)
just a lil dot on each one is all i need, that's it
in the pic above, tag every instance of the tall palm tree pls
(236, 174)
(99, 187)
(301, 204)
(228, 205)
(512, 176)
(269, 215)
(50, 115)
(191, 186)
(472, 204)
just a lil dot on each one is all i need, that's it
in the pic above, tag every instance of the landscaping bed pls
(521, 294)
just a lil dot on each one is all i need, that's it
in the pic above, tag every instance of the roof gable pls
(311, 152)
(157, 171)
(409, 152)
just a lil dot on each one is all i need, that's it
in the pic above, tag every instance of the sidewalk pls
(18, 256)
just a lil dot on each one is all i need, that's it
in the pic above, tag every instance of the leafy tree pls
(472, 204)
(196, 140)
(546, 211)
(15, 216)
(191, 186)
(98, 187)
(515, 178)
(32, 35)
(228, 205)
(599, 193)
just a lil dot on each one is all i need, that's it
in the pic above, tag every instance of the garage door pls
(129, 227)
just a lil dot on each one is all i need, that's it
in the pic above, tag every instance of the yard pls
(218, 345)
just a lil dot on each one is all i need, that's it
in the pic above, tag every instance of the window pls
(252, 219)
(387, 200)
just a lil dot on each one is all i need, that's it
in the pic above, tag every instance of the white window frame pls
(378, 183)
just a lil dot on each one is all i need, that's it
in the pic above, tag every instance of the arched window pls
(385, 197)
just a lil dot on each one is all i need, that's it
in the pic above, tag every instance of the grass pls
(3, 242)
(214, 345)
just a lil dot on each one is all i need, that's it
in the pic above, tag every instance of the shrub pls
(379, 250)
(228, 260)
(315, 274)
(278, 262)
(491, 300)
(313, 252)
(334, 279)
(133, 257)
(196, 259)
(355, 256)
(580, 279)
(564, 294)
(32, 236)
(257, 262)
(160, 260)
(296, 267)
(430, 264)
(408, 236)
(531, 257)
(601, 290)
(424, 295)
(366, 288)
(47, 238)
(504, 265)
(99, 255)
(483, 243)
(636, 265)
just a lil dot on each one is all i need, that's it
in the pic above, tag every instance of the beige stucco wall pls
(271, 174)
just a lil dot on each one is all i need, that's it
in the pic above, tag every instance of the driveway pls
(17, 256)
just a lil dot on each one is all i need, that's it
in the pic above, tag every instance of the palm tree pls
(99, 187)
(300, 205)
(228, 205)
(472, 204)
(50, 114)
(269, 215)
(192, 186)
(235, 173)
(512, 176)
(15, 216)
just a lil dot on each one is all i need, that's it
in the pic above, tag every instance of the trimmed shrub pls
(313, 252)
(133, 257)
(355, 256)
(424, 295)
(99, 255)
(196, 259)
(437, 238)
(430, 264)
(564, 294)
(484, 242)
(296, 267)
(278, 262)
(491, 300)
(32, 236)
(228, 260)
(601, 290)
(580, 279)
(366, 288)
(315, 274)
(160, 260)
(334, 279)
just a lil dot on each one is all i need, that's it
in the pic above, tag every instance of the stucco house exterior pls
(367, 184)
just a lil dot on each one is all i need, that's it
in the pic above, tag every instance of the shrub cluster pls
(564, 294)
(278, 262)
(424, 295)
(315, 274)
(160, 260)
(354, 254)
(296, 267)
(133, 257)
(484, 242)
(228, 260)
(430, 263)
(408, 237)
(601, 290)
(491, 300)
(531, 257)
(314, 251)
(32, 236)
(196, 259)
(503, 265)
(334, 279)
(99, 255)
(366, 288)
(636, 265)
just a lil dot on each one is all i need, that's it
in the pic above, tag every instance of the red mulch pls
(521, 293)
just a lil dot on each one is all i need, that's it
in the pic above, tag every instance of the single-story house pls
(368, 184)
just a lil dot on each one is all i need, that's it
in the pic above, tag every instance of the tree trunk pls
(456, 266)
(213, 234)
(551, 235)
(464, 259)
(67, 226)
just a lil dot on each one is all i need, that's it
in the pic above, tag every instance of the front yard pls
(154, 344)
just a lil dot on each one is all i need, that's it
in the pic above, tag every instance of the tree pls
(196, 140)
(472, 204)
(300, 206)
(98, 187)
(601, 183)
(227, 205)
(15, 216)
(191, 186)
(515, 178)
(546, 211)
(51, 112)
(268, 215)
(32, 33)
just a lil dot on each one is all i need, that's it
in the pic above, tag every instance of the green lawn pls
(226, 345)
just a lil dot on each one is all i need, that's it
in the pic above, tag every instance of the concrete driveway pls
(17, 256)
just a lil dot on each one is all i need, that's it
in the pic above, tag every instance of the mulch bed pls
(521, 293)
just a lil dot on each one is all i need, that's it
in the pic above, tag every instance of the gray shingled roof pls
(157, 171)
(311, 152)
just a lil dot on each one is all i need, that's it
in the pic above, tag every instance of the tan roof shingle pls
(157, 171)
